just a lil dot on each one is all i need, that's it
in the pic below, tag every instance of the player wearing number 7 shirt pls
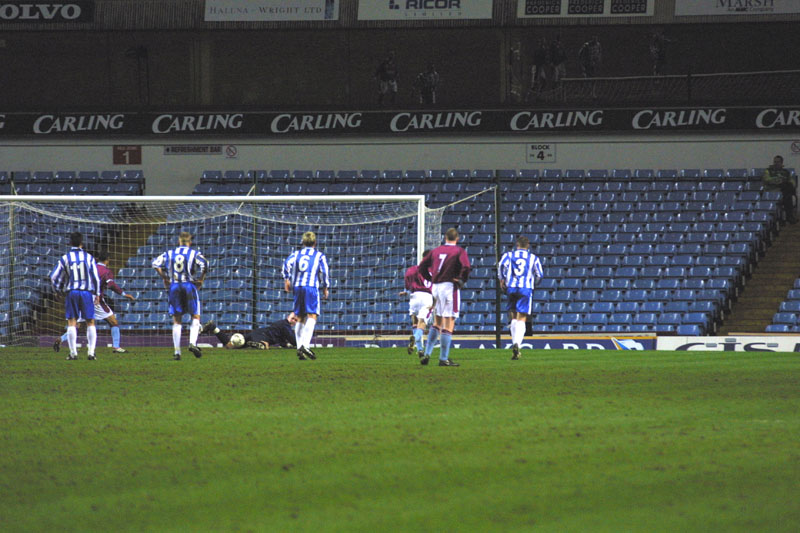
(183, 270)
(305, 271)
(519, 271)
(448, 268)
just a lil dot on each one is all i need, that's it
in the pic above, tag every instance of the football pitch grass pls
(369, 440)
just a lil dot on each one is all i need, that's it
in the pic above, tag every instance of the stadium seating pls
(666, 250)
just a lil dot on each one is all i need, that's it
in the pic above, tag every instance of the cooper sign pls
(77, 11)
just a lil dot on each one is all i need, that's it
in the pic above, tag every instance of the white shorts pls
(448, 299)
(100, 313)
(420, 304)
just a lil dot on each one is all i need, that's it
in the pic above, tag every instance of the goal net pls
(369, 242)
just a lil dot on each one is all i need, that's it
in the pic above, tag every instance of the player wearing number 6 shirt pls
(183, 270)
(76, 274)
(305, 271)
(519, 271)
(448, 268)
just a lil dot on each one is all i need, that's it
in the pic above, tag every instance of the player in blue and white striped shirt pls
(304, 273)
(183, 270)
(76, 274)
(519, 271)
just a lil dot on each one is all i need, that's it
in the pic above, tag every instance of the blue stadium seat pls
(689, 330)
(626, 307)
(594, 284)
(368, 176)
(573, 174)
(602, 307)
(586, 295)
(669, 173)
(572, 319)
(780, 317)
(778, 328)
(611, 295)
(578, 307)
(211, 176)
(551, 174)
(652, 306)
(597, 319)
(621, 174)
(620, 318)
(303, 176)
(561, 295)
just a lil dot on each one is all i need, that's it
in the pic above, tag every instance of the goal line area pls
(369, 241)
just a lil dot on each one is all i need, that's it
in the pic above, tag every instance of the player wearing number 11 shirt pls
(76, 274)
(519, 271)
(305, 271)
(183, 270)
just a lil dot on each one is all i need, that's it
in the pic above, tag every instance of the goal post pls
(369, 242)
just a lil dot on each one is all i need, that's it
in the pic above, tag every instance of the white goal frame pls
(13, 229)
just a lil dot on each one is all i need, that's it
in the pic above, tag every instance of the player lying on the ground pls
(279, 334)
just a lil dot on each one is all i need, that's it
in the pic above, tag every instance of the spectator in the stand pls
(426, 83)
(777, 178)
(387, 76)
(658, 51)
(590, 56)
(538, 68)
(558, 58)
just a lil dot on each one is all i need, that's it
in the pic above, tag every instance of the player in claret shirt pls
(419, 306)
(448, 268)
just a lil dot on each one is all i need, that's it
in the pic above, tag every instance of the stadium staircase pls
(764, 292)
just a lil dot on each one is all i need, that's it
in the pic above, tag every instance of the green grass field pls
(366, 440)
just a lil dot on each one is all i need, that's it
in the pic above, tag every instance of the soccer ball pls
(237, 340)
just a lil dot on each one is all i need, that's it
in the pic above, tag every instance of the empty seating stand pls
(661, 250)
(69, 182)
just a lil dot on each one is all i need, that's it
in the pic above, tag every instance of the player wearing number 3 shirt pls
(448, 268)
(183, 270)
(519, 271)
(304, 273)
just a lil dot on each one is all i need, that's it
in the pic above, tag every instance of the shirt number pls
(178, 266)
(78, 271)
(520, 267)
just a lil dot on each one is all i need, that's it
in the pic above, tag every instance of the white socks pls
(194, 331)
(517, 328)
(72, 339)
(298, 333)
(176, 337)
(308, 331)
(91, 337)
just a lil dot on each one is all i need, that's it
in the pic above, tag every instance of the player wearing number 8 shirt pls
(183, 270)
(519, 271)
(448, 268)
(305, 271)
(76, 273)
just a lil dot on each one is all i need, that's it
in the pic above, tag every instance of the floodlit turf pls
(369, 440)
